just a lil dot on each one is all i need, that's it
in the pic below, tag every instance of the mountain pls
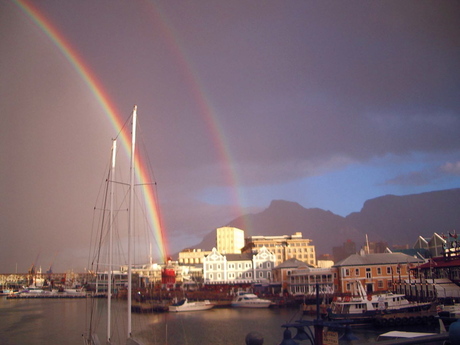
(390, 218)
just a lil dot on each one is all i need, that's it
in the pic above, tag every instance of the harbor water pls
(63, 321)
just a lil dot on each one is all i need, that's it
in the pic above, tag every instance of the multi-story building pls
(284, 247)
(376, 272)
(305, 279)
(283, 271)
(192, 256)
(238, 268)
(230, 240)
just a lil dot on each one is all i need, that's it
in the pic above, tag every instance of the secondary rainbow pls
(206, 109)
(110, 110)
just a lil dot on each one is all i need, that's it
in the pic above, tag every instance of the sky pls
(323, 103)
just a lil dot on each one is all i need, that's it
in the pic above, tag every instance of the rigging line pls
(145, 156)
(149, 231)
(102, 225)
(102, 185)
(123, 127)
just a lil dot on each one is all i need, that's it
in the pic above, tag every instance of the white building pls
(238, 268)
(230, 240)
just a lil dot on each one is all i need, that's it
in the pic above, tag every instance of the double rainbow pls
(112, 113)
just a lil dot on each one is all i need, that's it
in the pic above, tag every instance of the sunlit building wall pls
(284, 247)
(230, 240)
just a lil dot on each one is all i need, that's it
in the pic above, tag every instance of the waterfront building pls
(285, 247)
(241, 268)
(303, 280)
(283, 271)
(434, 245)
(192, 256)
(230, 240)
(376, 272)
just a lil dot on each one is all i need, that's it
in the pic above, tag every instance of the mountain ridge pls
(389, 218)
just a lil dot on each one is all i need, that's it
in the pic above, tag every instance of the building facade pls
(192, 256)
(376, 272)
(285, 247)
(238, 268)
(229, 240)
(305, 280)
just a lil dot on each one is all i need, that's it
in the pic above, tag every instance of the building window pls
(357, 272)
(379, 270)
(380, 284)
(368, 273)
(388, 270)
(346, 272)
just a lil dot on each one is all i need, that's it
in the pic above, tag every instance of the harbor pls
(36, 321)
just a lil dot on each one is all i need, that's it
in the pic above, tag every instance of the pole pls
(109, 274)
(131, 216)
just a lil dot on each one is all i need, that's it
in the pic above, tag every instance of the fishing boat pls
(249, 300)
(91, 338)
(185, 305)
(364, 307)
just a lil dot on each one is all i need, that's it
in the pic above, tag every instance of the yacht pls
(249, 300)
(185, 305)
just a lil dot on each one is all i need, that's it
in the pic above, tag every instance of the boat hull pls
(251, 305)
(191, 306)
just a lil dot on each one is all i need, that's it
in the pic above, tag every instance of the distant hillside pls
(390, 218)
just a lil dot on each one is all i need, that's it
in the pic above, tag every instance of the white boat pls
(249, 300)
(91, 338)
(363, 307)
(185, 305)
(394, 335)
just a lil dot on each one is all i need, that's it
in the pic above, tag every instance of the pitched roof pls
(376, 259)
(293, 263)
(239, 257)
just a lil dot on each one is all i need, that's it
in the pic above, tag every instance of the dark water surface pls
(63, 321)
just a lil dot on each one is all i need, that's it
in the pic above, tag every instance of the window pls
(368, 272)
(380, 284)
(388, 270)
(356, 271)
(379, 270)
(346, 272)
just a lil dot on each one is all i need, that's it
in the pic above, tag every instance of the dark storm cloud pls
(264, 93)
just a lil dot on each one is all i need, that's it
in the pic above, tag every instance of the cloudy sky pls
(325, 103)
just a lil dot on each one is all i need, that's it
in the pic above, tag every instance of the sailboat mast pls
(109, 274)
(131, 215)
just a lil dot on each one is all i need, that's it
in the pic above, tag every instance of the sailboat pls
(91, 338)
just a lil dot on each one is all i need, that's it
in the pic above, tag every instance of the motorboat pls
(364, 307)
(185, 305)
(249, 300)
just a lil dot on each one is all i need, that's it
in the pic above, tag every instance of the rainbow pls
(209, 114)
(110, 110)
